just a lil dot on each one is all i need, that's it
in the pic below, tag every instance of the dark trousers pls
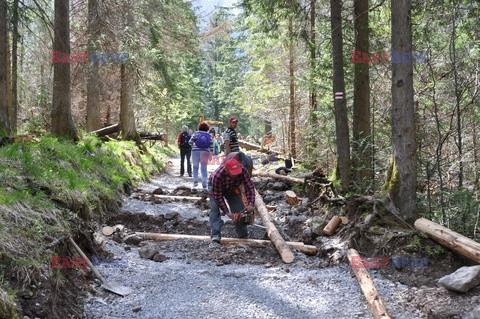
(216, 222)
(185, 153)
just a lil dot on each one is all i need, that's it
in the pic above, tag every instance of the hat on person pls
(233, 119)
(233, 166)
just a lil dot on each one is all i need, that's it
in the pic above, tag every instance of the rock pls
(116, 238)
(171, 215)
(307, 235)
(119, 227)
(296, 220)
(107, 231)
(133, 240)
(127, 248)
(474, 314)
(462, 280)
(158, 191)
(159, 258)
(137, 308)
(317, 226)
(279, 186)
(147, 252)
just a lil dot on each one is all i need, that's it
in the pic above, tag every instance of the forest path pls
(207, 280)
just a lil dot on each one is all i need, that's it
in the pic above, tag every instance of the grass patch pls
(49, 188)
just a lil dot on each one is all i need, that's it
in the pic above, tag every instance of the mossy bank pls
(51, 189)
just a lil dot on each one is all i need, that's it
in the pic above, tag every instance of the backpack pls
(185, 139)
(204, 139)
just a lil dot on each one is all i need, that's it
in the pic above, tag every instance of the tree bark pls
(15, 68)
(4, 122)
(93, 79)
(62, 122)
(293, 148)
(341, 113)
(127, 116)
(403, 113)
(454, 241)
(362, 147)
(128, 130)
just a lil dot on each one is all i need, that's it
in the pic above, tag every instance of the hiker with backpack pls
(185, 150)
(201, 143)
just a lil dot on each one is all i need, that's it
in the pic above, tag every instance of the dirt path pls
(207, 280)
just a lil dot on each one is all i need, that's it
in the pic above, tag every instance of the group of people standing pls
(229, 183)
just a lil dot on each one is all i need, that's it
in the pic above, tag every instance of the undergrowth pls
(47, 188)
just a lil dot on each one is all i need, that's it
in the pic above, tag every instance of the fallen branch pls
(272, 232)
(258, 148)
(368, 287)
(447, 237)
(278, 176)
(306, 249)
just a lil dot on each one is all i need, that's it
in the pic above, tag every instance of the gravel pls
(207, 280)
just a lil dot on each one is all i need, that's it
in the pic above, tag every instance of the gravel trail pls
(197, 280)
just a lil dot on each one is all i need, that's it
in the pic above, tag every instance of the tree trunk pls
(313, 48)
(293, 149)
(9, 86)
(403, 113)
(127, 117)
(362, 147)
(458, 97)
(268, 128)
(4, 123)
(341, 114)
(14, 68)
(62, 122)
(93, 78)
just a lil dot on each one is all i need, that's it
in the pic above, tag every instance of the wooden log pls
(291, 198)
(306, 249)
(178, 198)
(368, 287)
(253, 147)
(272, 232)
(16, 139)
(456, 242)
(115, 128)
(332, 225)
(153, 136)
(278, 176)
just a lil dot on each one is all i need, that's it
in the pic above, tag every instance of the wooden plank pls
(368, 287)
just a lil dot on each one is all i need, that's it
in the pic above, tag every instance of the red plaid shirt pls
(224, 184)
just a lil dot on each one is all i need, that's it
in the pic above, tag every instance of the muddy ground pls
(200, 279)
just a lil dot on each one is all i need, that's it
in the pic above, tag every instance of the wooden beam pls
(107, 130)
(306, 249)
(456, 242)
(278, 176)
(368, 287)
(272, 232)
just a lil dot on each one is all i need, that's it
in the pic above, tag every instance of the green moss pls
(392, 182)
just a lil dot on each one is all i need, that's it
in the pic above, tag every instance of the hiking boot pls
(216, 239)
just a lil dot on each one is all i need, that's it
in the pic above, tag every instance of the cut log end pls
(291, 198)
